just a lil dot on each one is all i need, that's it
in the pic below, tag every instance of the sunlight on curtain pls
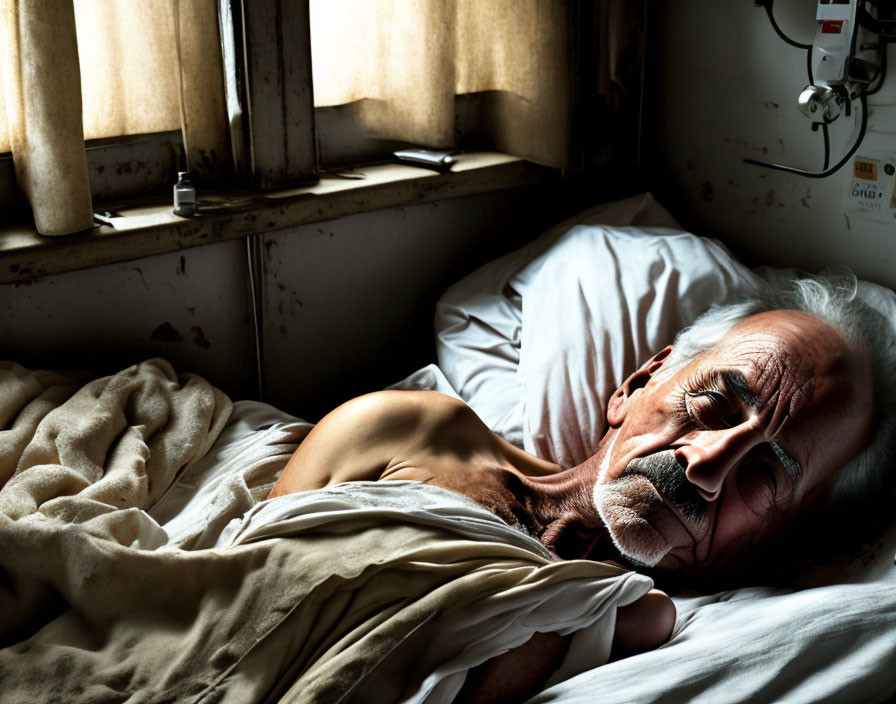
(401, 63)
(128, 57)
(128, 62)
(131, 71)
(129, 66)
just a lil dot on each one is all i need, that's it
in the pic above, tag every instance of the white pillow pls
(478, 320)
(537, 341)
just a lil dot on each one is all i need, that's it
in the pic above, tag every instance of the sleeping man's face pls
(704, 463)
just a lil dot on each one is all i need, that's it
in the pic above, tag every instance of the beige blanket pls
(95, 607)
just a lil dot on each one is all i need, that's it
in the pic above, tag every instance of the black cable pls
(877, 26)
(826, 138)
(827, 172)
(881, 74)
(767, 4)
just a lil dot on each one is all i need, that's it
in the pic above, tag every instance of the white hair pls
(834, 299)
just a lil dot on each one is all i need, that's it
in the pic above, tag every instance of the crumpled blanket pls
(435, 586)
(320, 597)
(78, 464)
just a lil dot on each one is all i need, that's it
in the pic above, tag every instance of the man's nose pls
(710, 456)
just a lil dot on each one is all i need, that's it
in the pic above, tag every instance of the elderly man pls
(714, 446)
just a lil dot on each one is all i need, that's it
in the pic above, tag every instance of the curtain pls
(401, 64)
(105, 68)
(43, 109)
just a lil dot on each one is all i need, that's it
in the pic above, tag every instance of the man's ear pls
(617, 408)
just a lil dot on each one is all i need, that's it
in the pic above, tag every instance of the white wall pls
(190, 307)
(725, 89)
(348, 304)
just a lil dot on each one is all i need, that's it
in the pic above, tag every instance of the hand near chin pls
(643, 625)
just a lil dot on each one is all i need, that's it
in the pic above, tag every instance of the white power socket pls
(872, 188)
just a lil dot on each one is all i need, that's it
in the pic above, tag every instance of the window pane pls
(341, 76)
(129, 77)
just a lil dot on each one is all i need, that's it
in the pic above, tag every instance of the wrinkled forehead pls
(796, 359)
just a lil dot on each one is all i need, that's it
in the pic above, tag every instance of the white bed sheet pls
(577, 603)
(828, 644)
(239, 470)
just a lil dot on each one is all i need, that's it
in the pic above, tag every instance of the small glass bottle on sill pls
(184, 195)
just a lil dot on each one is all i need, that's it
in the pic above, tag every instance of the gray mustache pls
(663, 471)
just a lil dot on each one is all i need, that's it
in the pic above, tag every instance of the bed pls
(140, 563)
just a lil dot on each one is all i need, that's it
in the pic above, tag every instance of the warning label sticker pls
(865, 168)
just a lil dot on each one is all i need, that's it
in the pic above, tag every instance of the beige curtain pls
(43, 107)
(401, 63)
(203, 105)
(136, 55)
(122, 61)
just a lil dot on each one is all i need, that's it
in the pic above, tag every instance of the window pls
(443, 73)
(233, 78)
(150, 72)
(128, 59)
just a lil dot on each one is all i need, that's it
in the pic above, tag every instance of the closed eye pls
(709, 410)
(757, 483)
(759, 480)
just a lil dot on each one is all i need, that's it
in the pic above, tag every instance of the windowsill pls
(150, 227)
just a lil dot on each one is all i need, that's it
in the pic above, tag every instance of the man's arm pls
(519, 674)
(367, 437)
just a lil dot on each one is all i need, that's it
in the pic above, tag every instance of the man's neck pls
(562, 505)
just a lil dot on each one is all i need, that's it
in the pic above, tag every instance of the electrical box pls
(872, 186)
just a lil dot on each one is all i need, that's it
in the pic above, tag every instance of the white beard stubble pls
(622, 505)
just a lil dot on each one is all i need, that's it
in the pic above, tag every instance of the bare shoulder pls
(363, 437)
(400, 414)
(422, 405)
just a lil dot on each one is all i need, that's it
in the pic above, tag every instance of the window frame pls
(131, 176)
(278, 138)
(266, 50)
